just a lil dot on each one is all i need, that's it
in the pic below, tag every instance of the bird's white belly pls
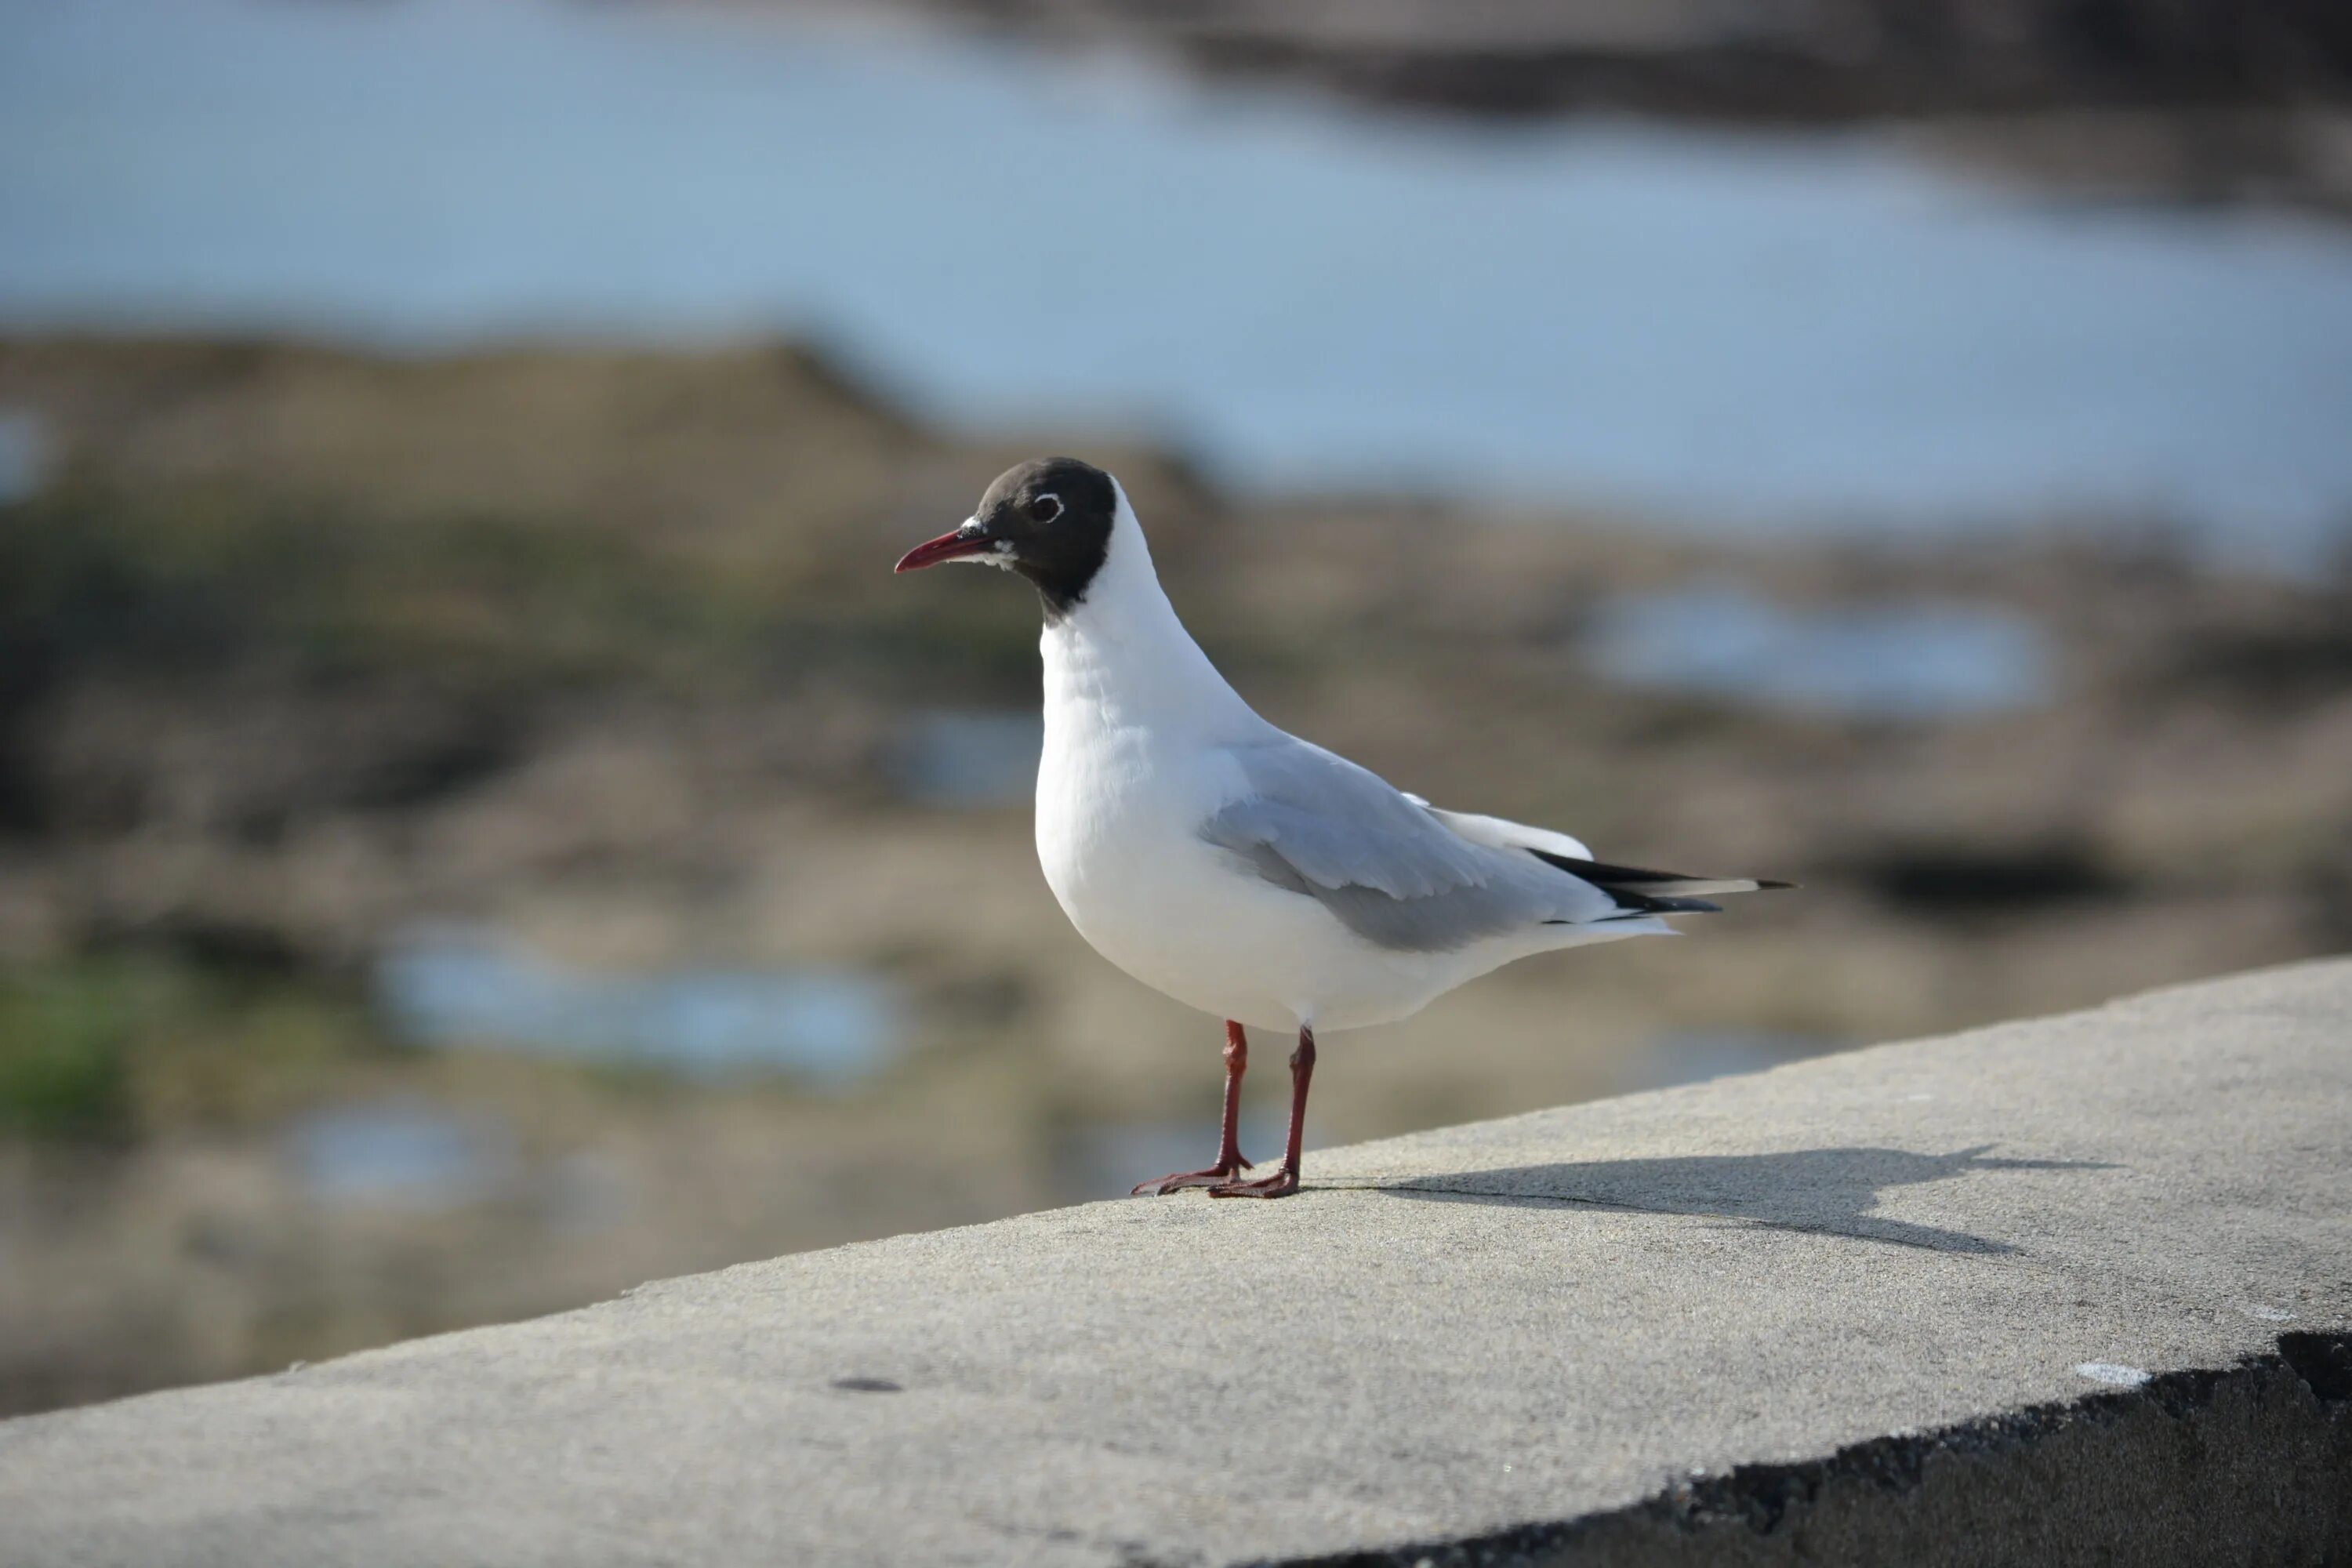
(1117, 837)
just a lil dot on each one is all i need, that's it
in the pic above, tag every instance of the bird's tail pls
(1635, 890)
(1638, 891)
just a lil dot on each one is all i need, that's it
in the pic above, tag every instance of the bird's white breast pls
(1122, 796)
(1119, 801)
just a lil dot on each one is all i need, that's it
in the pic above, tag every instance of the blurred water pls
(401, 1153)
(459, 985)
(1799, 332)
(1918, 660)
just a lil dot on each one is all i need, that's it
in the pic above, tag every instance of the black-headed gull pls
(1238, 868)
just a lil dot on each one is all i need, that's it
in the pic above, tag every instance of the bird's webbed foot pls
(1280, 1184)
(1215, 1175)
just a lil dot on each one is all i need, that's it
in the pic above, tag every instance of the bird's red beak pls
(963, 542)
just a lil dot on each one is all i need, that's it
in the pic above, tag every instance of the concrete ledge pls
(2077, 1289)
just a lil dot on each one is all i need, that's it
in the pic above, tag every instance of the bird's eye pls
(1046, 508)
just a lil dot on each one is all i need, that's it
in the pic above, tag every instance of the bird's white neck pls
(1120, 658)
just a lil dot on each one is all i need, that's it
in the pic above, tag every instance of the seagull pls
(1236, 867)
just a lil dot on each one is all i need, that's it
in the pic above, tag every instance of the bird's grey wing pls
(1317, 824)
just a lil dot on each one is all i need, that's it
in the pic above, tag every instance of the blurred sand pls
(601, 648)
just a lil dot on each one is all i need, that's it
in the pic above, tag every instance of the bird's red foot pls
(1212, 1176)
(1281, 1184)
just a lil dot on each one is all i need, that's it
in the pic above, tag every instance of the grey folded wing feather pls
(1317, 824)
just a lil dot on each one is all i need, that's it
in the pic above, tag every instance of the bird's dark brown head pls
(1049, 519)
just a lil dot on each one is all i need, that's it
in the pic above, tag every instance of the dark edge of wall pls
(2248, 1465)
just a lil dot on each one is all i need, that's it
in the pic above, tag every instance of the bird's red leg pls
(1230, 1162)
(1283, 1181)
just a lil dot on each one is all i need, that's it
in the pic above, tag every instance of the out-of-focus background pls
(480, 826)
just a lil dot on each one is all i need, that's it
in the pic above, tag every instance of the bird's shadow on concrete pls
(1826, 1192)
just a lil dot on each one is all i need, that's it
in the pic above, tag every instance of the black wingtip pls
(1625, 884)
(1764, 886)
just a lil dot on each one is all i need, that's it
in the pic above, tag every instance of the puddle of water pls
(399, 1153)
(969, 759)
(1777, 334)
(1911, 661)
(454, 985)
(22, 454)
(1696, 1056)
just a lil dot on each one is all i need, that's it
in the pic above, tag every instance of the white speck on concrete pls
(2108, 1372)
(2269, 1314)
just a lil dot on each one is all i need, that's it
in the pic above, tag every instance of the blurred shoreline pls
(1871, 58)
(597, 652)
(2200, 103)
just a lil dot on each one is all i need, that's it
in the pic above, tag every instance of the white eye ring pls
(1038, 505)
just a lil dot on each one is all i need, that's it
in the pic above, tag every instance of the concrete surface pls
(1871, 1304)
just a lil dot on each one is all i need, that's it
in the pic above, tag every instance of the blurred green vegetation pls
(114, 1047)
(65, 1040)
